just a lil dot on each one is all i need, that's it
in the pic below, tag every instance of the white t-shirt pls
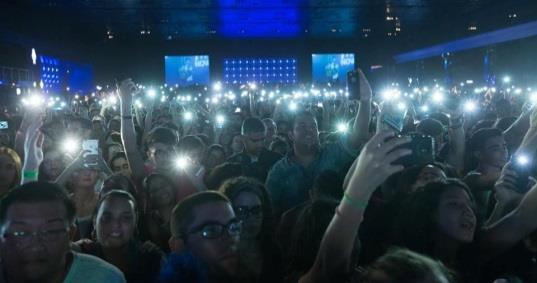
(91, 269)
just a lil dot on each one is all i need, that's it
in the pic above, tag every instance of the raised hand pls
(374, 165)
(126, 90)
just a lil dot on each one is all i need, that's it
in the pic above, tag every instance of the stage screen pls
(57, 74)
(265, 70)
(332, 68)
(187, 70)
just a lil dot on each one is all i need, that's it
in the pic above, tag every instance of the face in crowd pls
(249, 210)
(161, 155)
(121, 165)
(35, 241)
(213, 236)
(494, 152)
(254, 143)
(305, 133)
(161, 192)
(115, 222)
(85, 178)
(455, 216)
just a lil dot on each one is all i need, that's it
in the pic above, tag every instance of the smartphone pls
(523, 167)
(91, 152)
(4, 125)
(423, 150)
(393, 117)
(353, 85)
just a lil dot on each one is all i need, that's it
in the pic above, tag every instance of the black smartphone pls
(353, 85)
(522, 165)
(423, 150)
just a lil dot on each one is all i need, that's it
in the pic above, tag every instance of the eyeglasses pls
(24, 238)
(216, 230)
(244, 212)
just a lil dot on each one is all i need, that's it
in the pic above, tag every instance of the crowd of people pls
(259, 190)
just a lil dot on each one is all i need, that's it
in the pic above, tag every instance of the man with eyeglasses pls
(204, 226)
(37, 221)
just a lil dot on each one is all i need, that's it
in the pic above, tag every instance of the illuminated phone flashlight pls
(533, 98)
(470, 106)
(506, 79)
(522, 160)
(71, 145)
(424, 108)
(342, 127)
(151, 93)
(217, 86)
(293, 106)
(401, 106)
(220, 120)
(112, 99)
(34, 100)
(438, 97)
(188, 116)
(238, 110)
(253, 86)
(182, 162)
(391, 94)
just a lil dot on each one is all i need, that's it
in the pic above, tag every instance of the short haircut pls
(480, 137)
(190, 143)
(252, 125)
(37, 192)
(162, 135)
(219, 174)
(182, 214)
(430, 127)
(300, 115)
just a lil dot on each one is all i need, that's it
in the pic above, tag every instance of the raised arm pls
(369, 171)
(360, 130)
(33, 151)
(519, 223)
(128, 134)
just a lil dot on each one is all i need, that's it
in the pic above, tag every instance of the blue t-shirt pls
(288, 182)
(91, 269)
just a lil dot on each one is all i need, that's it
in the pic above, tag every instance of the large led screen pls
(260, 70)
(187, 70)
(332, 68)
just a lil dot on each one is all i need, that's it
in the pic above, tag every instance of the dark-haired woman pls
(115, 228)
(260, 255)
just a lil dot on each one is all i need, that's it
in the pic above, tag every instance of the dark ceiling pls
(97, 21)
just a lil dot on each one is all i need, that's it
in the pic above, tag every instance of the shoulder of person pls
(93, 269)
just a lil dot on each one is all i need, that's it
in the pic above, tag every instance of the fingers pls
(395, 155)
(380, 137)
(394, 143)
